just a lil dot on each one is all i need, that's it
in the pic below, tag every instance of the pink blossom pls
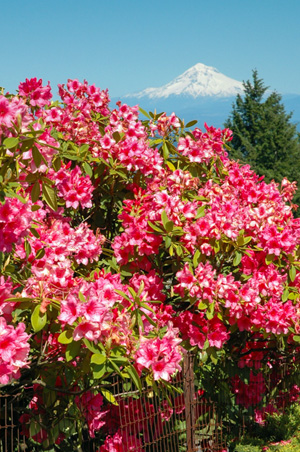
(6, 308)
(162, 356)
(37, 94)
(15, 219)
(122, 443)
(7, 112)
(14, 350)
(74, 188)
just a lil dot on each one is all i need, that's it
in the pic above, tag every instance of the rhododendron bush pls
(125, 242)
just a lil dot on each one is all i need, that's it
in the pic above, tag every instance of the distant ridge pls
(198, 81)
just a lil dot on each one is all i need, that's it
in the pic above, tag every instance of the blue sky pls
(126, 46)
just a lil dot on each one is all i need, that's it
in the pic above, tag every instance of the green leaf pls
(214, 357)
(34, 232)
(164, 218)
(196, 258)
(12, 194)
(168, 241)
(155, 142)
(292, 273)
(141, 288)
(144, 113)
(99, 370)
(171, 148)
(40, 253)
(56, 163)
(191, 123)
(149, 318)
(35, 191)
(11, 142)
(178, 249)
(155, 227)
(269, 258)
(48, 181)
(27, 144)
(83, 148)
(88, 169)
(118, 350)
(116, 136)
(27, 248)
(73, 350)
(165, 151)
(170, 165)
(19, 299)
(132, 372)
(34, 428)
(247, 240)
(119, 360)
(38, 319)
(97, 358)
(93, 348)
(35, 208)
(124, 295)
(31, 177)
(240, 240)
(114, 366)
(237, 258)
(81, 297)
(50, 196)
(296, 338)
(285, 294)
(37, 156)
(200, 212)
(169, 226)
(66, 337)
(109, 396)
(210, 312)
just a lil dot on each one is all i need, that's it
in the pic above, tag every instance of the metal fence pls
(182, 420)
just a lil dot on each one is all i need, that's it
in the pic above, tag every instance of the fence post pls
(189, 389)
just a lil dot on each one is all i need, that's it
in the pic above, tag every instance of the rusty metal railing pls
(185, 419)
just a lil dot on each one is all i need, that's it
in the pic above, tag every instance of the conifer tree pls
(263, 134)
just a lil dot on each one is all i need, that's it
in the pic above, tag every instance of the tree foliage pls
(263, 134)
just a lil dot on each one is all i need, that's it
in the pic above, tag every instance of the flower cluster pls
(15, 221)
(74, 188)
(14, 350)
(161, 355)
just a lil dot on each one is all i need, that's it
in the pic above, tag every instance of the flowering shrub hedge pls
(125, 242)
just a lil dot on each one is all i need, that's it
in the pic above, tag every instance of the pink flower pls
(6, 308)
(121, 442)
(74, 188)
(71, 309)
(7, 112)
(15, 220)
(37, 94)
(14, 350)
(217, 334)
(162, 356)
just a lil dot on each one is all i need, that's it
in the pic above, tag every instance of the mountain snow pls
(198, 81)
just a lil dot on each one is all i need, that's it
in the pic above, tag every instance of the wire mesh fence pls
(189, 417)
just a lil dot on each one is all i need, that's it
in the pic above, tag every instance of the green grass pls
(280, 434)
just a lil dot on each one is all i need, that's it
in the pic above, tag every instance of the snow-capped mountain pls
(202, 93)
(198, 81)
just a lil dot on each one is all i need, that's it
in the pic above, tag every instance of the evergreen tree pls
(263, 134)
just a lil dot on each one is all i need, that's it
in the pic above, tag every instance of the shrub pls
(124, 242)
